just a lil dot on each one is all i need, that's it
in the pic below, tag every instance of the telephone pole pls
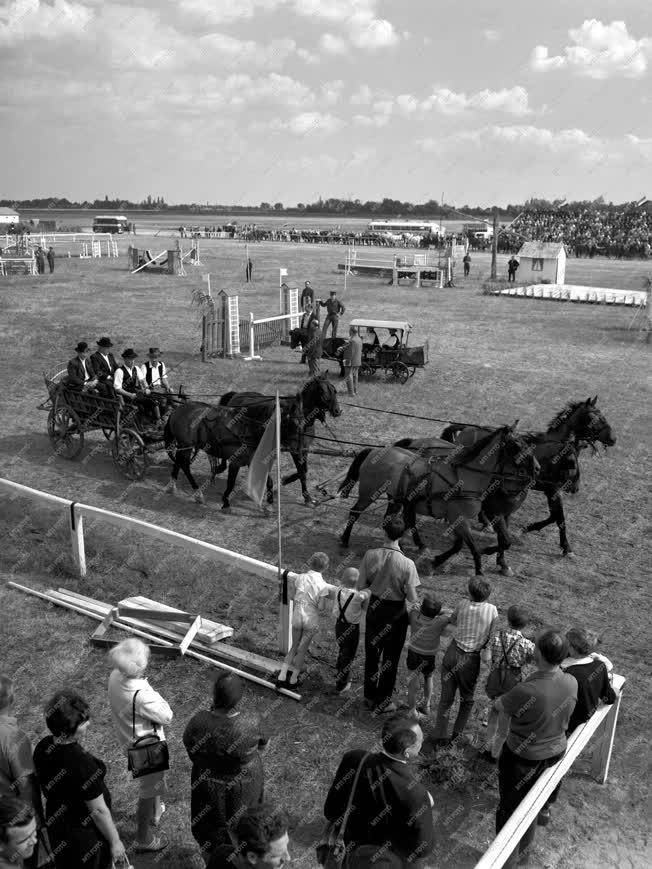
(494, 247)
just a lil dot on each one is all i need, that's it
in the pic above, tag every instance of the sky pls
(243, 101)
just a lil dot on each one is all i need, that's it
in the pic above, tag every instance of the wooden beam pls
(149, 262)
(190, 636)
(154, 615)
(191, 653)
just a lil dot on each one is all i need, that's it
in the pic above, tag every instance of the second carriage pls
(398, 363)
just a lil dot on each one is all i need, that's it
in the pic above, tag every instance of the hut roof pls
(541, 249)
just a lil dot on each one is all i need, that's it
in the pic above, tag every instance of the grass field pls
(492, 360)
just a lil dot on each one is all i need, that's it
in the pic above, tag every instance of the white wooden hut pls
(7, 217)
(541, 261)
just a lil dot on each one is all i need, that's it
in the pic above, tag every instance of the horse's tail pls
(450, 432)
(404, 443)
(353, 474)
(226, 398)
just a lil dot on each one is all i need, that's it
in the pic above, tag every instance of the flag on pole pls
(261, 463)
(283, 273)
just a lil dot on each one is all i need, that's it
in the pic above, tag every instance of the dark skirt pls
(78, 847)
(217, 801)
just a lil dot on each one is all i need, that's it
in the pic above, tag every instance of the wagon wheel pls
(65, 431)
(108, 433)
(397, 371)
(367, 370)
(412, 369)
(130, 454)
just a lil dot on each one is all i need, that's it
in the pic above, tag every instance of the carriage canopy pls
(383, 324)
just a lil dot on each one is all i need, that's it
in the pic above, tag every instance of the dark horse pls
(232, 431)
(330, 347)
(578, 425)
(450, 483)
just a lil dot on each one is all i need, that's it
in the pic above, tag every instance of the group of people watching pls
(60, 787)
(625, 233)
(145, 385)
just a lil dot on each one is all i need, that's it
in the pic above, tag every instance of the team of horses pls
(470, 472)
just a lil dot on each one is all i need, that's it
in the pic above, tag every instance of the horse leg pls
(270, 490)
(504, 542)
(301, 465)
(556, 515)
(356, 511)
(171, 487)
(230, 483)
(463, 535)
(410, 519)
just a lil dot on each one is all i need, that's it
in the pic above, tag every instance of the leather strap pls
(347, 812)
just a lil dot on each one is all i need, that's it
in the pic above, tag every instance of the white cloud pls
(362, 97)
(217, 12)
(332, 90)
(511, 100)
(21, 20)
(333, 44)
(312, 122)
(372, 33)
(491, 35)
(598, 51)
(242, 90)
(230, 52)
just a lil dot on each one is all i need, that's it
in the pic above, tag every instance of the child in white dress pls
(309, 593)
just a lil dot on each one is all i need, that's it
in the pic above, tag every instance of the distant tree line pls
(352, 207)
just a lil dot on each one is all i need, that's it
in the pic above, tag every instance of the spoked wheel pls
(366, 370)
(130, 454)
(65, 432)
(412, 369)
(108, 433)
(397, 371)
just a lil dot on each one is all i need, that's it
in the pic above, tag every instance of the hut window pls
(537, 265)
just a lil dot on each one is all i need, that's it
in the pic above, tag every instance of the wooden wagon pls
(399, 363)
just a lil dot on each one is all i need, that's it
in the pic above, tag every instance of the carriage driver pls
(80, 370)
(154, 376)
(393, 340)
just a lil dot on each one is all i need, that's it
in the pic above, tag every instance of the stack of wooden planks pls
(167, 628)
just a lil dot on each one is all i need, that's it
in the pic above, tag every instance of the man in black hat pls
(127, 380)
(154, 375)
(80, 371)
(50, 258)
(104, 364)
(334, 309)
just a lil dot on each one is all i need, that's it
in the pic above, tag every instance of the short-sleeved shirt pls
(426, 634)
(474, 621)
(353, 600)
(518, 648)
(540, 709)
(223, 744)
(69, 777)
(389, 574)
(308, 589)
(16, 763)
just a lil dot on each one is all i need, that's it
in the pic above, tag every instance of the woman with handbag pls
(138, 713)
(224, 745)
(510, 650)
(80, 827)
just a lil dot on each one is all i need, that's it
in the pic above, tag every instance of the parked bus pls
(110, 223)
(479, 230)
(407, 227)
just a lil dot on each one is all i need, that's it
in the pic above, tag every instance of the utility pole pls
(494, 247)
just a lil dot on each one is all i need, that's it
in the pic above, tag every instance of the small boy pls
(349, 604)
(423, 645)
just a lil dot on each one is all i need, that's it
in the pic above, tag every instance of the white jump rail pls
(602, 722)
(77, 511)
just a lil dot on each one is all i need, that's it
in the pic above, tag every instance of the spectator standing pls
(137, 710)
(261, 840)
(40, 260)
(510, 650)
(423, 646)
(80, 826)
(307, 295)
(391, 811)
(352, 359)
(539, 711)
(249, 267)
(309, 595)
(17, 775)
(592, 675)
(349, 605)
(18, 834)
(334, 310)
(392, 579)
(475, 620)
(50, 258)
(224, 745)
(313, 349)
(467, 264)
(512, 267)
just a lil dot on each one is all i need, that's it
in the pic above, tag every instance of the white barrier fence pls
(602, 725)
(77, 511)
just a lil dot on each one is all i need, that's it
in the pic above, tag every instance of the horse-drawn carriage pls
(398, 362)
(134, 433)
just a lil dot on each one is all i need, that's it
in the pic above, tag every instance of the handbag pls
(331, 850)
(504, 676)
(149, 753)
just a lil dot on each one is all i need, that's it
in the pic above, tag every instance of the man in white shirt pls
(155, 380)
(127, 380)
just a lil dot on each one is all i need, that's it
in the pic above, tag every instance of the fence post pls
(203, 338)
(602, 754)
(77, 540)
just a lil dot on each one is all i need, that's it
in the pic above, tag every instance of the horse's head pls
(296, 336)
(320, 398)
(586, 422)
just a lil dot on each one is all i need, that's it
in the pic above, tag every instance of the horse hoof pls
(344, 543)
(171, 488)
(570, 554)
(226, 506)
(199, 497)
(506, 571)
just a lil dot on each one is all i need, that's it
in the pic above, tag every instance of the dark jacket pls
(333, 306)
(390, 806)
(76, 378)
(102, 371)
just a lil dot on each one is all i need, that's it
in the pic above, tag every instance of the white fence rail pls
(77, 511)
(602, 725)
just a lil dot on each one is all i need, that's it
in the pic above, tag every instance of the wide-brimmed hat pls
(130, 353)
(333, 292)
(105, 342)
(81, 347)
(153, 350)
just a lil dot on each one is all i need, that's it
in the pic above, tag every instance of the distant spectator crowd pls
(587, 233)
